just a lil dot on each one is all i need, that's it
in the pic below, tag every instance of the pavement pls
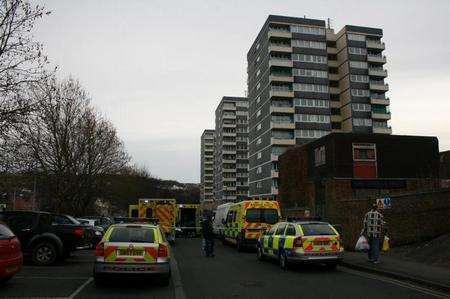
(389, 266)
(230, 274)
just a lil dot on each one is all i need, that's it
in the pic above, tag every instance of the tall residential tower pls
(207, 166)
(305, 81)
(231, 150)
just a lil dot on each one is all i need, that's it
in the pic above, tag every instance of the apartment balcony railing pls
(379, 85)
(282, 125)
(280, 47)
(279, 32)
(380, 72)
(284, 141)
(281, 91)
(281, 77)
(278, 109)
(379, 100)
(376, 58)
(381, 115)
(278, 61)
(374, 44)
(382, 130)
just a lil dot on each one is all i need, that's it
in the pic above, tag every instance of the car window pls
(317, 229)
(46, 219)
(20, 221)
(5, 232)
(262, 215)
(133, 234)
(72, 220)
(280, 229)
(272, 230)
(60, 219)
(290, 231)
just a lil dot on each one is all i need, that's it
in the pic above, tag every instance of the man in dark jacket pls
(208, 236)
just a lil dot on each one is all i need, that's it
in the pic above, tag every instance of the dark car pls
(10, 254)
(102, 221)
(45, 236)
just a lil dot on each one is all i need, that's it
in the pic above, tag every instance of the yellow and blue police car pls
(303, 241)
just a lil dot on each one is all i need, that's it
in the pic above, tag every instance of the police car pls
(303, 241)
(132, 250)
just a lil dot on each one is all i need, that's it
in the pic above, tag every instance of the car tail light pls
(163, 251)
(298, 242)
(99, 250)
(79, 232)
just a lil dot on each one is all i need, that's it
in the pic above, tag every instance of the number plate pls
(130, 252)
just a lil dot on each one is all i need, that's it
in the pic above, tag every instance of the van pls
(219, 219)
(246, 220)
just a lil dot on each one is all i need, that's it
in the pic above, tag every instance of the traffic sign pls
(384, 203)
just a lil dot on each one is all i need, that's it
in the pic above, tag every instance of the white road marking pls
(80, 288)
(176, 279)
(396, 282)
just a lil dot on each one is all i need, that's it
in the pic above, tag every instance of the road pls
(228, 275)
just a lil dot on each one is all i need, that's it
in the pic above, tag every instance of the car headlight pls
(98, 233)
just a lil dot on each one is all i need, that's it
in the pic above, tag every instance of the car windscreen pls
(317, 229)
(74, 221)
(262, 215)
(5, 232)
(132, 234)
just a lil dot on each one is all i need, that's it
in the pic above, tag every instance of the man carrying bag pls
(373, 228)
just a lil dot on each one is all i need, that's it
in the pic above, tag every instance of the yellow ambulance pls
(246, 220)
(164, 210)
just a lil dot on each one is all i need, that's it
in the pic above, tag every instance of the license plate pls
(130, 252)
(321, 243)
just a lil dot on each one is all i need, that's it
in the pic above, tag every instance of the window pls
(282, 119)
(307, 30)
(257, 46)
(309, 58)
(319, 156)
(310, 133)
(280, 229)
(5, 232)
(257, 59)
(258, 99)
(310, 87)
(362, 107)
(309, 73)
(282, 134)
(358, 64)
(258, 185)
(259, 155)
(132, 234)
(312, 118)
(364, 152)
(258, 86)
(258, 127)
(258, 113)
(258, 72)
(259, 169)
(300, 102)
(308, 44)
(380, 124)
(317, 229)
(357, 51)
(272, 230)
(362, 122)
(359, 78)
(356, 37)
(269, 216)
(290, 230)
(258, 141)
(360, 93)
(278, 150)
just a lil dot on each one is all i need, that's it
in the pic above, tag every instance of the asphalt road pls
(228, 275)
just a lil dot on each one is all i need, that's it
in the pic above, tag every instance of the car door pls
(268, 240)
(278, 238)
(289, 236)
(23, 225)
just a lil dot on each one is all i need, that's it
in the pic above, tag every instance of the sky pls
(157, 69)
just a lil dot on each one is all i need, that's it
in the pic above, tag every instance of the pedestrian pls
(373, 228)
(208, 236)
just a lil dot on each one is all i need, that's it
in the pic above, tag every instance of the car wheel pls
(44, 254)
(259, 254)
(283, 260)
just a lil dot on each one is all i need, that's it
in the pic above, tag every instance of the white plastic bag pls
(362, 244)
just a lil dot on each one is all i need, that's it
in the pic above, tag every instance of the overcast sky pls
(157, 69)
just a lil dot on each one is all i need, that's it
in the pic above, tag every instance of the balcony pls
(273, 157)
(275, 109)
(281, 92)
(278, 47)
(379, 101)
(229, 161)
(335, 90)
(379, 86)
(333, 63)
(229, 179)
(230, 152)
(336, 118)
(331, 50)
(229, 116)
(372, 44)
(273, 61)
(333, 77)
(274, 173)
(229, 134)
(379, 72)
(381, 115)
(281, 77)
(229, 170)
(382, 130)
(279, 33)
(282, 125)
(276, 141)
(376, 58)
(274, 190)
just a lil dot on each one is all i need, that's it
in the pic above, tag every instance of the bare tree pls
(71, 145)
(21, 59)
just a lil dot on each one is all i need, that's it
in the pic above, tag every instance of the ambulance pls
(164, 210)
(246, 220)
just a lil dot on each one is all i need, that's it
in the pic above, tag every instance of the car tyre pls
(44, 254)
(259, 254)
(283, 260)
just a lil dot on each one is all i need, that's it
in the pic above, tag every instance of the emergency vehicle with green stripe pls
(305, 241)
(164, 210)
(132, 249)
(246, 220)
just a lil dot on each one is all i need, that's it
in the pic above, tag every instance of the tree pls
(71, 146)
(21, 60)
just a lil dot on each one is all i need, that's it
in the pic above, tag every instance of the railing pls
(280, 45)
(279, 29)
(377, 96)
(280, 88)
(281, 74)
(376, 56)
(377, 82)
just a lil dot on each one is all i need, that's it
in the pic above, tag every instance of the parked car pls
(45, 236)
(98, 231)
(133, 250)
(102, 221)
(10, 254)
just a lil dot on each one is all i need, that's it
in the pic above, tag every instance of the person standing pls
(208, 236)
(373, 227)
